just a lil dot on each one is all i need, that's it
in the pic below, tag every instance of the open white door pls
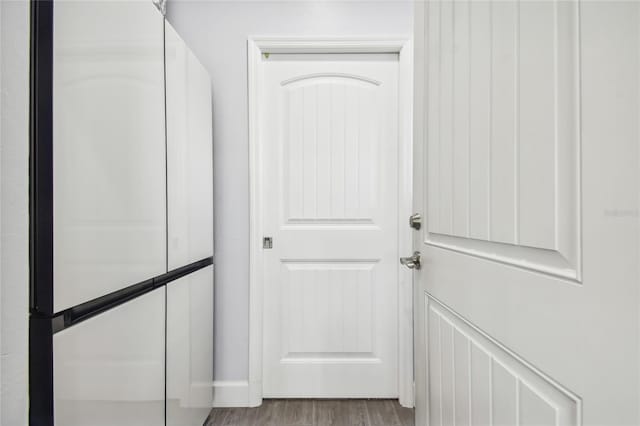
(526, 176)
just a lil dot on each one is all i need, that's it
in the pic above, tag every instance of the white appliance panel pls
(109, 369)
(108, 148)
(189, 150)
(190, 348)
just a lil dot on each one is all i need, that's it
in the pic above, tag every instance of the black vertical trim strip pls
(41, 158)
(41, 412)
(40, 371)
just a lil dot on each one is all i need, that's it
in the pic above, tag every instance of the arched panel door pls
(329, 138)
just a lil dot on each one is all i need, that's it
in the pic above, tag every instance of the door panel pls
(109, 370)
(522, 148)
(189, 154)
(108, 148)
(190, 348)
(330, 198)
(501, 386)
(534, 265)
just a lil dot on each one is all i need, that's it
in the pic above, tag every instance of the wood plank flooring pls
(315, 412)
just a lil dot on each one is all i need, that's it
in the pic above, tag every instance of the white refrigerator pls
(121, 329)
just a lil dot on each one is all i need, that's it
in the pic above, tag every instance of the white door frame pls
(257, 46)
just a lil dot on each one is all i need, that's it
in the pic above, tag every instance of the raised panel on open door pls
(503, 133)
(189, 155)
(475, 380)
(108, 148)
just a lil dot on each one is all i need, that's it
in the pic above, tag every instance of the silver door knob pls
(415, 221)
(412, 262)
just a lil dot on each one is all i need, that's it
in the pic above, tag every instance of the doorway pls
(330, 144)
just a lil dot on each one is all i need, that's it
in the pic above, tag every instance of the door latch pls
(415, 221)
(267, 243)
(411, 262)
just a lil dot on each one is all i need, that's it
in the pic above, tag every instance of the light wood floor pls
(321, 412)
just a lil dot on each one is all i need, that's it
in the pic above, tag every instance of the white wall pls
(14, 268)
(217, 32)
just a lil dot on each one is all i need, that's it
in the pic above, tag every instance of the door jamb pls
(256, 47)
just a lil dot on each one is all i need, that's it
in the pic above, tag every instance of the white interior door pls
(330, 147)
(526, 172)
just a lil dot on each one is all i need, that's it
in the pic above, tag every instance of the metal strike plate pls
(267, 243)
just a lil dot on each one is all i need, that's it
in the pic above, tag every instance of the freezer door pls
(190, 348)
(108, 148)
(189, 149)
(109, 369)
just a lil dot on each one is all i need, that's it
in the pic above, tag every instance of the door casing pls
(258, 46)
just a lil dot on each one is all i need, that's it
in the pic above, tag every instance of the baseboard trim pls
(255, 393)
(227, 393)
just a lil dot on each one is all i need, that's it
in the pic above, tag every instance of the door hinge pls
(267, 242)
